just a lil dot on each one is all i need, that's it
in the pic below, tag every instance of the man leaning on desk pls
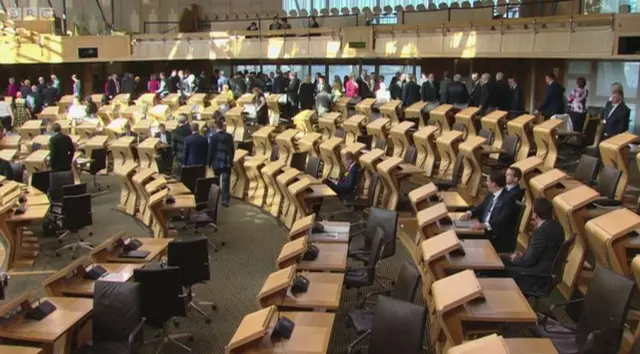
(495, 215)
(348, 183)
(61, 150)
(544, 244)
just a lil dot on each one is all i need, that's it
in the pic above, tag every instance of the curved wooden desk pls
(522, 127)
(30, 129)
(392, 171)
(332, 257)
(238, 180)
(51, 113)
(86, 130)
(340, 106)
(132, 113)
(245, 99)
(257, 188)
(571, 211)
(545, 137)
(189, 110)
(400, 135)
(140, 180)
(306, 192)
(286, 145)
(128, 195)
(471, 123)
(148, 152)
(471, 150)
(443, 117)
(122, 151)
(552, 183)
(369, 162)
(145, 99)
(614, 152)
(36, 162)
(447, 144)
(328, 124)
(273, 105)
(115, 128)
(284, 180)
(415, 112)
(379, 130)
(172, 100)
(273, 198)
(263, 141)
(106, 114)
(494, 344)
(159, 112)
(529, 168)
(390, 110)
(303, 121)
(495, 122)
(310, 143)
(200, 99)
(353, 128)
(330, 156)
(112, 249)
(234, 119)
(427, 149)
(423, 196)
(364, 107)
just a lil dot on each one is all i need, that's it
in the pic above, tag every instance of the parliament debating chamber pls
(319, 176)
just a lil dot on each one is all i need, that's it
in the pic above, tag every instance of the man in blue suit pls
(616, 115)
(195, 148)
(348, 183)
(553, 97)
(221, 151)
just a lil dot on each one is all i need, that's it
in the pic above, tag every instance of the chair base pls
(74, 246)
(163, 337)
(196, 306)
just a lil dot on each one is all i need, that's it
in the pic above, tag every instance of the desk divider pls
(426, 148)
(284, 180)
(275, 287)
(340, 106)
(400, 137)
(379, 129)
(467, 117)
(291, 251)
(330, 156)
(328, 124)
(495, 122)
(257, 189)
(416, 111)
(310, 143)
(364, 107)
(263, 141)
(447, 144)
(390, 110)
(608, 237)
(303, 121)
(442, 117)
(238, 180)
(614, 152)
(253, 327)
(273, 198)
(353, 128)
(522, 127)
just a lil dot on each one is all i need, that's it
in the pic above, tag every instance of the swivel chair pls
(163, 300)
(366, 276)
(76, 215)
(299, 160)
(190, 174)
(192, 258)
(40, 181)
(117, 319)
(201, 195)
(97, 164)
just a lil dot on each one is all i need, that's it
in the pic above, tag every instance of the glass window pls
(626, 73)
(297, 5)
(268, 69)
(370, 69)
(338, 4)
(342, 71)
(250, 68)
(322, 69)
(389, 71)
(301, 70)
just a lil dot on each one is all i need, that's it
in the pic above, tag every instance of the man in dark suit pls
(428, 90)
(513, 175)
(616, 115)
(553, 102)
(457, 92)
(165, 148)
(348, 183)
(544, 244)
(474, 94)
(196, 148)
(443, 87)
(128, 132)
(502, 92)
(410, 92)
(292, 94)
(113, 86)
(173, 82)
(49, 95)
(278, 83)
(220, 158)
(516, 96)
(177, 139)
(488, 95)
(61, 150)
(364, 91)
(495, 215)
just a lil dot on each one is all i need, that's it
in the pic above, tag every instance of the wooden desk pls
(544, 135)
(53, 333)
(10, 349)
(109, 251)
(447, 144)
(610, 237)
(390, 110)
(332, 257)
(494, 344)
(614, 152)
(286, 145)
(303, 121)
(353, 128)
(443, 117)
(22, 246)
(263, 141)
(8, 154)
(36, 162)
(423, 196)
(182, 202)
(238, 180)
(379, 129)
(334, 232)
(530, 345)
(328, 124)
(522, 127)
(391, 171)
(69, 281)
(341, 107)
(426, 148)
(273, 198)
(10, 142)
(310, 336)
(330, 156)
(257, 188)
(369, 162)
(30, 129)
(400, 137)
(364, 107)
(416, 112)
(495, 123)
(467, 117)
(283, 181)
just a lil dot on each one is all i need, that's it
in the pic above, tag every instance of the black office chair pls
(381, 144)
(366, 276)
(587, 169)
(600, 328)
(398, 327)
(410, 155)
(76, 215)
(163, 299)
(545, 283)
(357, 206)
(208, 215)
(17, 172)
(201, 194)
(340, 133)
(366, 140)
(97, 164)
(635, 348)
(507, 155)
(246, 145)
(117, 319)
(487, 134)
(190, 174)
(40, 181)
(192, 257)
(274, 152)
(379, 218)
(444, 184)
(607, 185)
(299, 160)
(74, 189)
(313, 166)
(57, 180)
(407, 282)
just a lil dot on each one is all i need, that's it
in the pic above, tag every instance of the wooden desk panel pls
(324, 292)
(155, 246)
(84, 287)
(9, 349)
(479, 255)
(332, 257)
(329, 236)
(530, 345)
(503, 302)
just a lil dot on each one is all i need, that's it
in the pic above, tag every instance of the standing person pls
(351, 87)
(262, 111)
(173, 82)
(221, 153)
(578, 101)
(410, 92)
(153, 85)
(306, 92)
(474, 94)
(222, 80)
(395, 88)
(616, 116)
(113, 86)
(502, 92)
(195, 148)
(553, 98)
(457, 93)
(177, 142)
(77, 87)
(13, 88)
(6, 114)
(61, 150)
(516, 104)
(165, 148)
(444, 87)
(428, 90)
(292, 94)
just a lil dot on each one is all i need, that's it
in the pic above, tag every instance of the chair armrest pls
(372, 294)
(357, 233)
(135, 332)
(565, 304)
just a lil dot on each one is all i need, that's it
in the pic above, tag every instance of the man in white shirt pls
(495, 215)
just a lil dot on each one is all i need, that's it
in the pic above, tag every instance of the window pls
(301, 70)
(322, 69)
(268, 69)
(625, 73)
(298, 5)
(389, 71)
(339, 4)
(250, 68)
(342, 71)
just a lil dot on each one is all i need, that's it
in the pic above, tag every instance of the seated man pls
(513, 176)
(495, 215)
(348, 183)
(544, 244)
(128, 132)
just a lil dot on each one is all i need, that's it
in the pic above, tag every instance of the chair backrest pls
(98, 161)
(340, 133)
(487, 134)
(407, 283)
(518, 211)
(212, 203)
(40, 181)
(559, 263)
(17, 172)
(190, 174)
(458, 169)
(377, 247)
(299, 160)
(192, 257)
(387, 221)
(163, 165)
(587, 169)
(57, 180)
(161, 293)
(74, 189)
(77, 211)
(459, 127)
(274, 152)
(608, 182)
(635, 348)
(313, 166)
(410, 154)
(398, 327)
(615, 292)
(373, 187)
(245, 145)
(203, 185)
(366, 140)
(381, 144)
(509, 149)
(117, 311)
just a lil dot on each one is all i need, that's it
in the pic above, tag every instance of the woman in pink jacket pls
(351, 87)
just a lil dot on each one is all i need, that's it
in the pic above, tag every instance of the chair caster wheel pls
(176, 324)
(59, 242)
(73, 257)
(214, 308)
(190, 339)
(57, 254)
(207, 321)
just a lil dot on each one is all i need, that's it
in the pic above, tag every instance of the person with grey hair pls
(457, 92)
(502, 92)
(488, 98)
(444, 86)
(474, 95)
(410, 91)
(428, 90)
(178, 136)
